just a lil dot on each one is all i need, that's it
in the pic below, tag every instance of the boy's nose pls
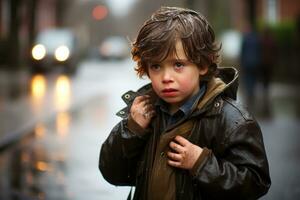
(167, 77)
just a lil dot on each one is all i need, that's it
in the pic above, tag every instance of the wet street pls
(64, 120)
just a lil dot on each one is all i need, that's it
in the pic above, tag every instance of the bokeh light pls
(62, 53)
(62, 93)
(99, 12)
(38, 52)
(38, 86)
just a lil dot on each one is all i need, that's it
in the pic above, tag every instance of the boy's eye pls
(155, 67)
(178, 65)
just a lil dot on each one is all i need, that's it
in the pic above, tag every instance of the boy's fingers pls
(181, 140)
(149, 114)
(139, 99)
(174, 163)
(142, 104)
(174, 156)
(176, 147)
(148, 108)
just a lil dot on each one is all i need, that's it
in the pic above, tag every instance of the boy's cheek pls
(186, 86)
(156, 89)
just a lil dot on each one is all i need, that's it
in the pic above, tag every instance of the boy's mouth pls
(169, 92)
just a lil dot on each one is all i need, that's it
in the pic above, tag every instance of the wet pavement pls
(282, 139)
(59, 159)
(64, 121)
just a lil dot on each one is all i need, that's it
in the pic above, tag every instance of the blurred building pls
(20, 20)
(278, 10)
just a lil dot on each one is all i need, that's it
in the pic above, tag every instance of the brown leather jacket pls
(234, 165)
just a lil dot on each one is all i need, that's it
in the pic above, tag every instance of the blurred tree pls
(32, 18)
(61, 7)
(190, 4)
(251, 6)
(13, 45)
(32, 4)
(14, 42)
(216, 12)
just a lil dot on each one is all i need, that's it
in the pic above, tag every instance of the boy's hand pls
(142, 111)
(184, 155)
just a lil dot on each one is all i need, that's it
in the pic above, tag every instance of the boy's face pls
(175, 79)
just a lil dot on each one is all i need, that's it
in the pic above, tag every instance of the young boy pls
(184, 136)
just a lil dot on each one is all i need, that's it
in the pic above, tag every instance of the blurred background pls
(65, 63)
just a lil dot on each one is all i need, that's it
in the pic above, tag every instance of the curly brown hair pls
(156, 39)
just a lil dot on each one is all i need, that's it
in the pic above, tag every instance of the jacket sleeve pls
(120, 153)
(242, 171)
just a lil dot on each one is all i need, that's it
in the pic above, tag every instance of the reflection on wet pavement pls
(62, 93)
(38, 87)
(47, 163)
(58, 159)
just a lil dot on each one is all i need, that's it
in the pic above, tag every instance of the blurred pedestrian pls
(296, 53)
(250, 62)
(184, 136)
(268, 62)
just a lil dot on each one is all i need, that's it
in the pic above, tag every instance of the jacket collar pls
(226, 83)
(229, 76)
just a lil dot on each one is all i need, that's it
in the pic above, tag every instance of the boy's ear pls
(203, 70)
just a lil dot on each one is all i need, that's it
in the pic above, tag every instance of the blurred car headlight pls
(62, 53)
(38, 52)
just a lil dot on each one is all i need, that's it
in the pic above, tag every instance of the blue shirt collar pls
(187, 107)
